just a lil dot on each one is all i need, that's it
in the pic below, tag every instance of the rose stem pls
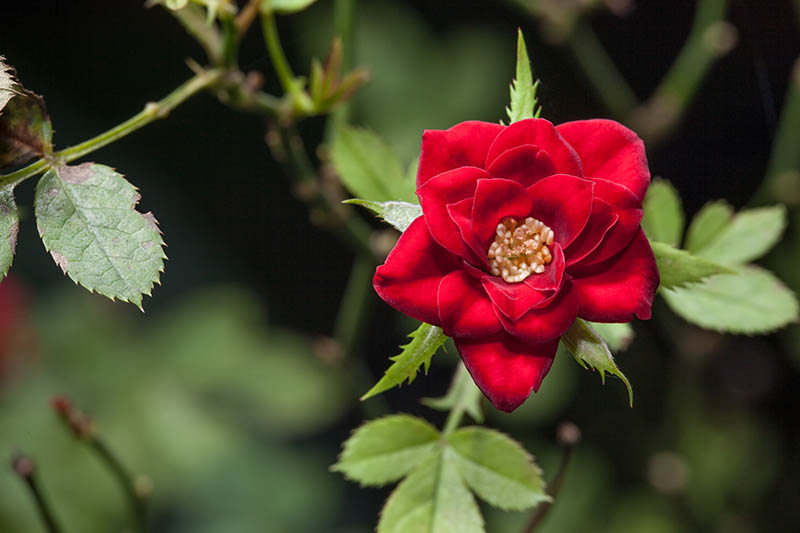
(568, 436)
(25, 468)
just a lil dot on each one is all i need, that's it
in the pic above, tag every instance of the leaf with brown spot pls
(87, 223)
(9, 226)
(25, 128)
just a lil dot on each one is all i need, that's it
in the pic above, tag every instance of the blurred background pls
(229, 393)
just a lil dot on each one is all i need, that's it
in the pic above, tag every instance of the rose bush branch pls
(25, 468)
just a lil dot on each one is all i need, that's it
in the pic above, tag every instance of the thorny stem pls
(26, 470)
(152, 111)
(468, 393)
(568, 436)
(288, 148)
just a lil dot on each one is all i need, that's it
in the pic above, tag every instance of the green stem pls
(598, 67)
(708, 40)
(460, 382)
(151, 112)
(343, 22)
(276, 54)
(25, 469)
(137, 500)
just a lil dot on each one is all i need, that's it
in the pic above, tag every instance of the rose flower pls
(524, 228)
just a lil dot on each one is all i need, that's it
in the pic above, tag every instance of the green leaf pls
(751, 234)
(678, 267)
(707, 224)
(398, 214)
(7, 83)
(753, 301)
(25, 128)
(432, 499)
(88, 222)
(663, 214)
(523, 89)
(617, 336)
(368, 167)
(498, 469)
(9, 226)
(386, 449)
(425, 340)
(285, 7)
(591, 351)
(462, 391)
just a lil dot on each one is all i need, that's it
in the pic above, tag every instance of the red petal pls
(463, 145)
(495, 199)
(505, 368)
(599, 225)
(548, 323)
(524, 164)
(543, 134)
(553, 274)
(461, 214)
(448, 188)
(464, 309)
(409, 279)
(513, 299)
(629, 214)
(621, 287)
(611, 151)
(564, 203)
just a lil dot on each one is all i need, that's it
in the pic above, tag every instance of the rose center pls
(520, 249)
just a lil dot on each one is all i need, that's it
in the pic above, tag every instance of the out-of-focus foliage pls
(201, 398)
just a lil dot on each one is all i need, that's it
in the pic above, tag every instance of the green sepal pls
(523, 89)
(425, 340)
(591, 351)
(399, 214)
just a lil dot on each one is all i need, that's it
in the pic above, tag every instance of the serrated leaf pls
(386, 449)
(368, 167)
(707, 224)
(678, 267)
(285, 6)
(88, 222)
(7, 83)
(399, 214)
(523, 89)
(432, 499)
(753, 301)
(591, 351)
(617, 336)
(9, 227)
(425, 340)
(498, 469)
(751, 234)
(25, 128)
(663, 215)
(462, 391)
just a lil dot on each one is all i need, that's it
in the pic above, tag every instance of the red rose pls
(524, 228)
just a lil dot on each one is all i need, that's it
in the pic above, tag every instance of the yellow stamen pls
(520, 249)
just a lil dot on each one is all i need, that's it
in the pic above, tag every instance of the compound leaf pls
(707, 224)
(432, 499)
(25, 128)
(663, 214)
(678, 267)
(498, 468)
(752, 301)
(386, 449)
(748, 236)
(88, 222)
